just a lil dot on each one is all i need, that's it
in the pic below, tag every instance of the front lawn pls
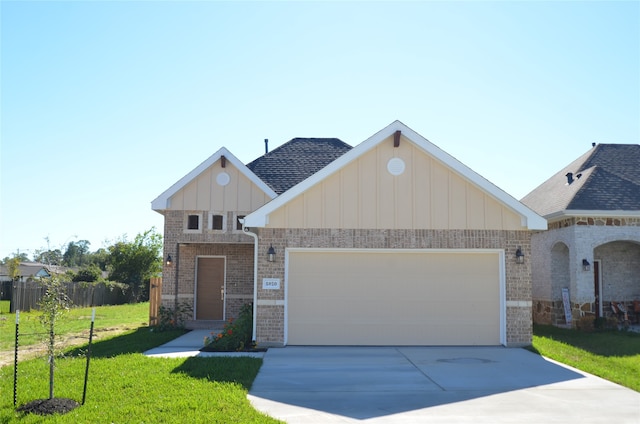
(612, 355)
(5, 306)
(76, 321)
(128, 387)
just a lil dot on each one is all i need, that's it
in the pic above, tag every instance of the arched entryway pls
(617, 276)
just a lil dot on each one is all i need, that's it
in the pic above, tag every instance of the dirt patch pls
(49, 406)
(65, 341)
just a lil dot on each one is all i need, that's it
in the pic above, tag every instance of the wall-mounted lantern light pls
(169, 260)
(519, 256)
(586, 266)
(271, 254)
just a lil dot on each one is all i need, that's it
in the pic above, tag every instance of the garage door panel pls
(378, 298)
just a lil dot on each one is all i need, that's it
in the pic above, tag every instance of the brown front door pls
(210, 289)
(596, 286)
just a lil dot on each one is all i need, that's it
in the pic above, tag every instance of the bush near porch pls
(235, 336)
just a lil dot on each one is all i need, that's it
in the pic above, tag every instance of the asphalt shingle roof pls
(296, 160)
(606, 178)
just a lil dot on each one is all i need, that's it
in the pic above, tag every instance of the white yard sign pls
(567, 305)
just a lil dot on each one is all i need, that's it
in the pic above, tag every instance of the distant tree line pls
(131, 263)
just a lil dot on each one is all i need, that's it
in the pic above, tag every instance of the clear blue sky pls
(107, 104)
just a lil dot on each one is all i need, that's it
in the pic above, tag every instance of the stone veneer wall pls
(597, 221)
(270, 312)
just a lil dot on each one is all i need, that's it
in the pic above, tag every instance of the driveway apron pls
(433, 384)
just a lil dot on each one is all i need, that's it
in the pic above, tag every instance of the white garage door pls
(375, 297)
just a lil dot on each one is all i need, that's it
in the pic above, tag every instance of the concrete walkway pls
(433, 384)
(189, 345)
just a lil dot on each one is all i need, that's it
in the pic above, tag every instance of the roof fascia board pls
(530, 219)
(162, 201)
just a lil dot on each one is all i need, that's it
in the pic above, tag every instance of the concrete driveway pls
(435, 385)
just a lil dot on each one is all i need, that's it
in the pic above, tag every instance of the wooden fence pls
(26, 295)
(155, 300)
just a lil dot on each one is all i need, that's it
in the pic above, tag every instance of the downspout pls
(247, 231)
(177, 280)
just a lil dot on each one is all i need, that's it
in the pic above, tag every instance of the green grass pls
(612, 355)
(76, 321)
(5, 306)
(128, 387)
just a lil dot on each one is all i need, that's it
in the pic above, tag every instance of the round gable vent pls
(395, 166)
(223, 179)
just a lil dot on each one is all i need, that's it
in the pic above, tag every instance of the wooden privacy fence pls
(155, 300)
(26, 295)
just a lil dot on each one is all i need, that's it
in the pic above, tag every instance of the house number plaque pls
(271, 284)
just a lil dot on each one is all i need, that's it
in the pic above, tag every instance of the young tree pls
(134, 263)
(53, 304)
(13, 266)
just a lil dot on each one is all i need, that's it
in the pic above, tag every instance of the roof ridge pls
(287, 143)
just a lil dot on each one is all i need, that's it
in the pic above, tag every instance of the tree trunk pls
(51, 356)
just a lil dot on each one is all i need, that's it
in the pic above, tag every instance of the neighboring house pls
(392, 242)
(592, 247)
(27, 271)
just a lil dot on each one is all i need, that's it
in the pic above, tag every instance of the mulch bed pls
(49, 406)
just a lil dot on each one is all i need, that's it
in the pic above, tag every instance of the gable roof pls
(161, 202)
(259, 218)
(296, 160)
(29, 269)
(605, 179)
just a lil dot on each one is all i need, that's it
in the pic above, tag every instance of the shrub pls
(173, 318)
(606, 323)
(88, 274)
(236, 335)
(585, 324)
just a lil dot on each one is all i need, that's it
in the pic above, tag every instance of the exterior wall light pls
(519, 256)
(586, 266)
(271, 253)
(169, 260)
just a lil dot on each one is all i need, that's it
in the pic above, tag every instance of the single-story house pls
(591, 251)
(391, 242)
(27, 271)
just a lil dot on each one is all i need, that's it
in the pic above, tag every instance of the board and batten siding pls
(205, 194)
(364, 195)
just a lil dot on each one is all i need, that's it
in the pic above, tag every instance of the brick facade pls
(270, 311)
(184, 248)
